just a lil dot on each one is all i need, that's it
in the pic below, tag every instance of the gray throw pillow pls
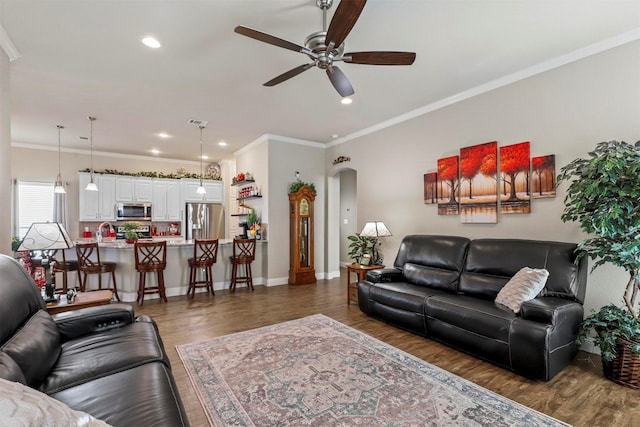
(524, 286)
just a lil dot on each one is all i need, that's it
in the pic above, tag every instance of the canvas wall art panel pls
(479, 183)
(543, 176)
(430, 188)
(515, 171)
(448, 184)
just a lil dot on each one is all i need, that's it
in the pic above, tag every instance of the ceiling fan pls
(327, 46)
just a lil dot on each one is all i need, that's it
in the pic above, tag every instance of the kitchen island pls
(176, 275)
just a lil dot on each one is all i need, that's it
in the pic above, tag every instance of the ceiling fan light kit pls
(326, 47)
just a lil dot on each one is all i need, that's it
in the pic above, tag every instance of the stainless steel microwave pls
(133, 211)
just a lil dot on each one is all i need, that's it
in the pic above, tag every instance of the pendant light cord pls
(91, 119)
(60, 127)
(201, 127)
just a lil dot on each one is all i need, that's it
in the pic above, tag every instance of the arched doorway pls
(342, 217)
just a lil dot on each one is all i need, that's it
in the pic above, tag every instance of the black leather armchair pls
(444, 287)
(100, 360)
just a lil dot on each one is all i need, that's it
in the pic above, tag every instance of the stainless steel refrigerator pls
(204, 221)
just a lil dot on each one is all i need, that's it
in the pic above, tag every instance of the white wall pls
(348, 212)
(565, 112)
(5, 151)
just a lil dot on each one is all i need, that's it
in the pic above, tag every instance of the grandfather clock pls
(301, 270)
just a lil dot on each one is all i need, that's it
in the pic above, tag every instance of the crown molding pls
(8, 46)
(101, 153)
(602, 46)
(271, 137)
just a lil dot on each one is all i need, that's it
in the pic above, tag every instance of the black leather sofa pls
(444, 287)
(100, 360)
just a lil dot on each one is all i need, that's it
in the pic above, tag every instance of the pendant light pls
(91, 186)
(201, 189)
(59, 187)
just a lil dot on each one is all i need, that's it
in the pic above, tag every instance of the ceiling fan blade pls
(268, 38)
(286, 76)
(340, 81)
(343, 21)
(381, 58)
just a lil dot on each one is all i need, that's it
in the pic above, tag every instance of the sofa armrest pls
(382, 275)
(73, 324)
(552, 310)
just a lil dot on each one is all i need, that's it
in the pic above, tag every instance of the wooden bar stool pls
(89, 263)
(244, 252)
(150, 257)
(205, 252)
(63, 267)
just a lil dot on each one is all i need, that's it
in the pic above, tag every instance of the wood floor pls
(579, 395)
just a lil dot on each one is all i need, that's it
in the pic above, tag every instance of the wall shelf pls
(240, 214)
(246, 181)
(247, 198)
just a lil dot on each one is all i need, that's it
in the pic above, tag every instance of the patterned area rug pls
(315, 371)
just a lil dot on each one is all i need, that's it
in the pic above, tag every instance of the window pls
(35, 204)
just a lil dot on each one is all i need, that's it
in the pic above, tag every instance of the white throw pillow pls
(524, 286)
(23, 406)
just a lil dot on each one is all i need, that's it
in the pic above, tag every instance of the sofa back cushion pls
(434, 261)
(28, 334)
(490, 263)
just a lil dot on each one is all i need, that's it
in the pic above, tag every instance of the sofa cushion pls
(23, 406)
(443, 252)
(405, 296)
(35, 347)
(429, 276)
(100, 354)
(524, 286)
(9, 369)
(142, 396)
(482, 317)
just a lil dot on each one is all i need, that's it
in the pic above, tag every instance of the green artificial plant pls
(297, 185)
(363, 245)
(604, 198)
(130, 232)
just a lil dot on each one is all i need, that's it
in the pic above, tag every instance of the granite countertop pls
(171, 241)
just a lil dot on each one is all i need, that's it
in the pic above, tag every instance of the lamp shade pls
(375, 229)
(45, 235)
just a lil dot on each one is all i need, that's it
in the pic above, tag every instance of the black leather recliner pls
(444, 287)
(100, 360)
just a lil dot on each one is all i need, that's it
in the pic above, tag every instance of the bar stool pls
(244, 251)
(205, 252)
(150, 257)
(63, 267)
(90, 264)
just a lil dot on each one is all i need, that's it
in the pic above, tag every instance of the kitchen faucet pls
(99, 232)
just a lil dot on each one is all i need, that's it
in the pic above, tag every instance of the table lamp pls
(46, 236)
(375, 229)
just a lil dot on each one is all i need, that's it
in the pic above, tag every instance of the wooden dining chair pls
(89, 263)
(205, 252)
(244, 252)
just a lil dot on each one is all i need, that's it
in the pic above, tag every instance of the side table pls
(361, 272)
(82, 300)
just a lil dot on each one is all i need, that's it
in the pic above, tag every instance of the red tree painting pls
(544, 176)
(430, 187)
(448, 185)
(478, 183)
(515, 165)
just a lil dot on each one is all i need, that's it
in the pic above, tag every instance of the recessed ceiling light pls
(346, 101)
(334, 136)
(164, 135)
(222, 144)
(151, 42)
(205, 157)
(155, 151)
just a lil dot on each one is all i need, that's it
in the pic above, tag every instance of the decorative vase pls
(625, 368)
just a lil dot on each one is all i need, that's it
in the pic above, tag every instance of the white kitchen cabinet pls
(214, 191)
(97, 205)
(166, 200)
(132, 189)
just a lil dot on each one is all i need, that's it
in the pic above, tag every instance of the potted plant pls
(604, 197)
(130, 233)
(253, 222)
(363, 247)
